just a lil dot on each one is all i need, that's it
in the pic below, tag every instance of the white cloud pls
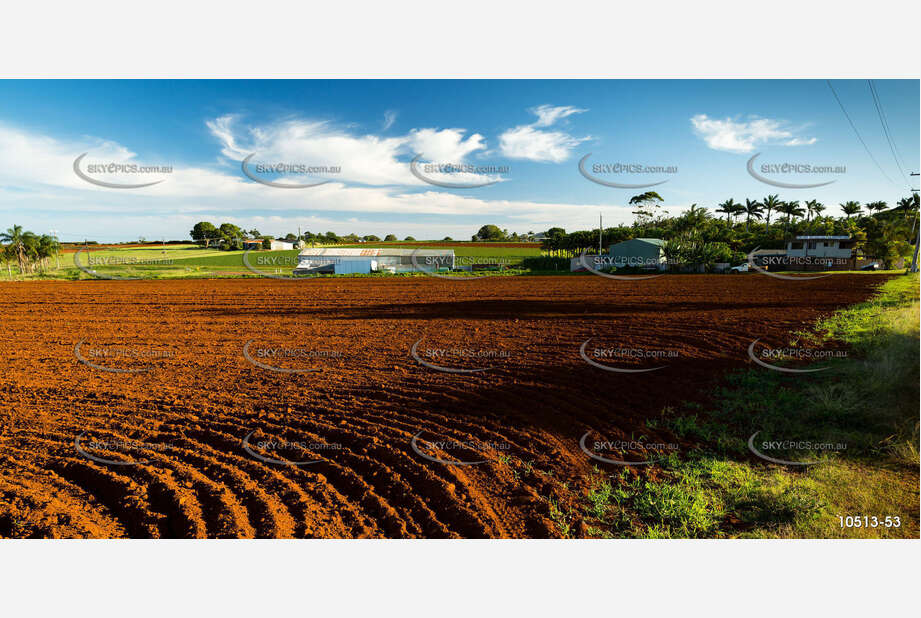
(534, 144)
(39, 190)
(526, 142)
(446, 145)
(366, 159)
(548, 114)
(799, 141)
(740, 136)
(390, 116)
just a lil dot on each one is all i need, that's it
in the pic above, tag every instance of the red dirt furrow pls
(181, 378)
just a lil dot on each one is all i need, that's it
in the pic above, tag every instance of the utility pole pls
(57, 242)
(914, 259)
(600, 232)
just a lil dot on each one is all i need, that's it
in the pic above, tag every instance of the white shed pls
(282, 245)
(353, 260)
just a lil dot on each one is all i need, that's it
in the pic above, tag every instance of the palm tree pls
(16, 240)
(699, 212)
(737, 211)
(817, 208)
(752, 209)
(792, 210)
(730, 207)
(47, 247)
(910, 206)
(770, 203)
(810, 208)
(693, 218)
(876, 206)
(850, 208)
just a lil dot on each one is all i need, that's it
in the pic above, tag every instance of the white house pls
(821, 247)
(827, 251)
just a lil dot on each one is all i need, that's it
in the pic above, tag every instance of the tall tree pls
(752, 211)
(810, 208)
(792, 210)
(770, 203)
(817, 208)
(16, 246)
(730, 207)
(47, 247)
(646, 204)
(692, 218)
(490, 233)
(850, 208)
(204, 232)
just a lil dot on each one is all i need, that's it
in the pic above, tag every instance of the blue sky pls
(540, 130)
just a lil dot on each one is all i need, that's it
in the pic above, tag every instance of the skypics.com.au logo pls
(461, 267)
(473, 359)
(770, 171)
(607, 358)
(598, 264)
(121, 358)
(621, 168)
(457, 175)
(286, 358)
(274, 266)
(117, 264)
(626, 452)
(762, 260)
(119, 175)
(769, 357)
(127, 451)
(796, 452)
(269, 174)
(284, 452)
(457, 452)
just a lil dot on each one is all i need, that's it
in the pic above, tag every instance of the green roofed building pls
(639, 253)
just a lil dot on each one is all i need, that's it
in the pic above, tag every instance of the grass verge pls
(849, 431)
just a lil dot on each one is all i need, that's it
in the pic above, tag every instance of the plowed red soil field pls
(403, 407)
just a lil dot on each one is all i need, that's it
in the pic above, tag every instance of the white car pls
(741, 268)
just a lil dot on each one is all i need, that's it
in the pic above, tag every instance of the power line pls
(856, 132)
(883, 121)
(886, 118)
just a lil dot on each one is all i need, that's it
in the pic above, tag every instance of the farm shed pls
(282, 245)
(638, 253)
(355, 260)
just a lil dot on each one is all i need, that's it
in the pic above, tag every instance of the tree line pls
(30, 251)
(228, 236)
(735, 228)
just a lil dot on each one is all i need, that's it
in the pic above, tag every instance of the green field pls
(465, 249)
(192, 261)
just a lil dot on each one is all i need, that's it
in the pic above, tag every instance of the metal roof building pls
(366, 260)
(639, 253)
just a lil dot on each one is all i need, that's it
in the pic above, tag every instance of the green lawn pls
(466, 249)
(173, 261)
(867, 402)
(178, 261)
